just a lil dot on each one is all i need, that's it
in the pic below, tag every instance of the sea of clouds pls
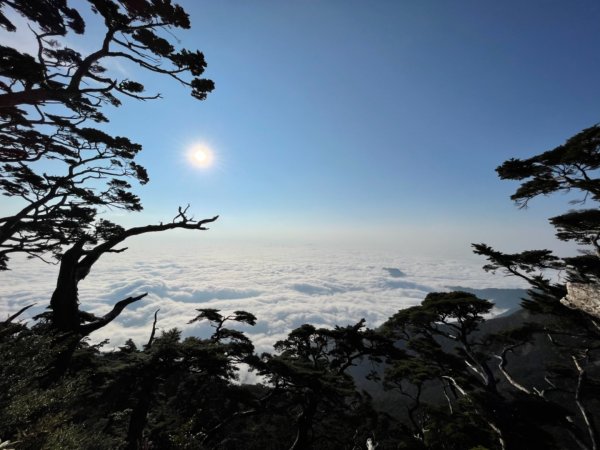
(284, 286)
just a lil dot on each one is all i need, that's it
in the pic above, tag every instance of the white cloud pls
(283, 287)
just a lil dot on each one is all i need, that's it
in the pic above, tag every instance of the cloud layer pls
(283, 286)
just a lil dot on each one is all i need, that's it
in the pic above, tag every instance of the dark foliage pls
(571, 329)
(46, 101)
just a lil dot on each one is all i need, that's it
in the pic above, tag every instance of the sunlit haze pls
(201, 156)
(356, 121)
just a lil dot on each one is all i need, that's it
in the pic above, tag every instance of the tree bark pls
(304, 424)
(64, 302)
(138, 419)
(587, 418)
(33, 97)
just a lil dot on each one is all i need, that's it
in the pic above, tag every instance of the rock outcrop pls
(583, 296)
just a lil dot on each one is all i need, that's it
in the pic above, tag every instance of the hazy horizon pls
(353, 121)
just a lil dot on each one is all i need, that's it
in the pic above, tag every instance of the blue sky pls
(369, 121)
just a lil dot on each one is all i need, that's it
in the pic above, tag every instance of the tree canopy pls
(571, 327)
(49, 104)
(49, 100)
(134, 31)
(570, 166)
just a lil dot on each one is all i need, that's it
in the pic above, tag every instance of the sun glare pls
(201, 156)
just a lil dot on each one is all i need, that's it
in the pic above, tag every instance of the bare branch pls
(502, 367)
(589, 421)
(149, 344)
(454, 383)
(95, 253)
(17, 314)
(88, 328)
(117, 250)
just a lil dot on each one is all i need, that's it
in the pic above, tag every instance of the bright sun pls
(201, 156)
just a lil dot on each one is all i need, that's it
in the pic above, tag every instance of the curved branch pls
(87, 328)
(17, 314)
(502, 367)
(95, 253)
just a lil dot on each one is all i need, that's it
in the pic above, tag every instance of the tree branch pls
(149, 344)
(502, 367)
(88, 328)
(589, 421)
(94, 254)
(17, 314)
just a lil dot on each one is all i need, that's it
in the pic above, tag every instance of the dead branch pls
(149, 344)
(17, 314)
(589, 422)
(94, 254)
(502, 367)
(88, 328)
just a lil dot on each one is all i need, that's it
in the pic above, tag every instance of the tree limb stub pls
(151, 339)
(110, 316)
(17, 314)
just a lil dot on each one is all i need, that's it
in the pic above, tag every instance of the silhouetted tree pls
(443, 351)
(46, 100)
(93, 169)
(569, 167)
(572, 331)
(212, 361)
(309, 373)
(127, 398)
(136, 31)
(453, 396)
(61, 208)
